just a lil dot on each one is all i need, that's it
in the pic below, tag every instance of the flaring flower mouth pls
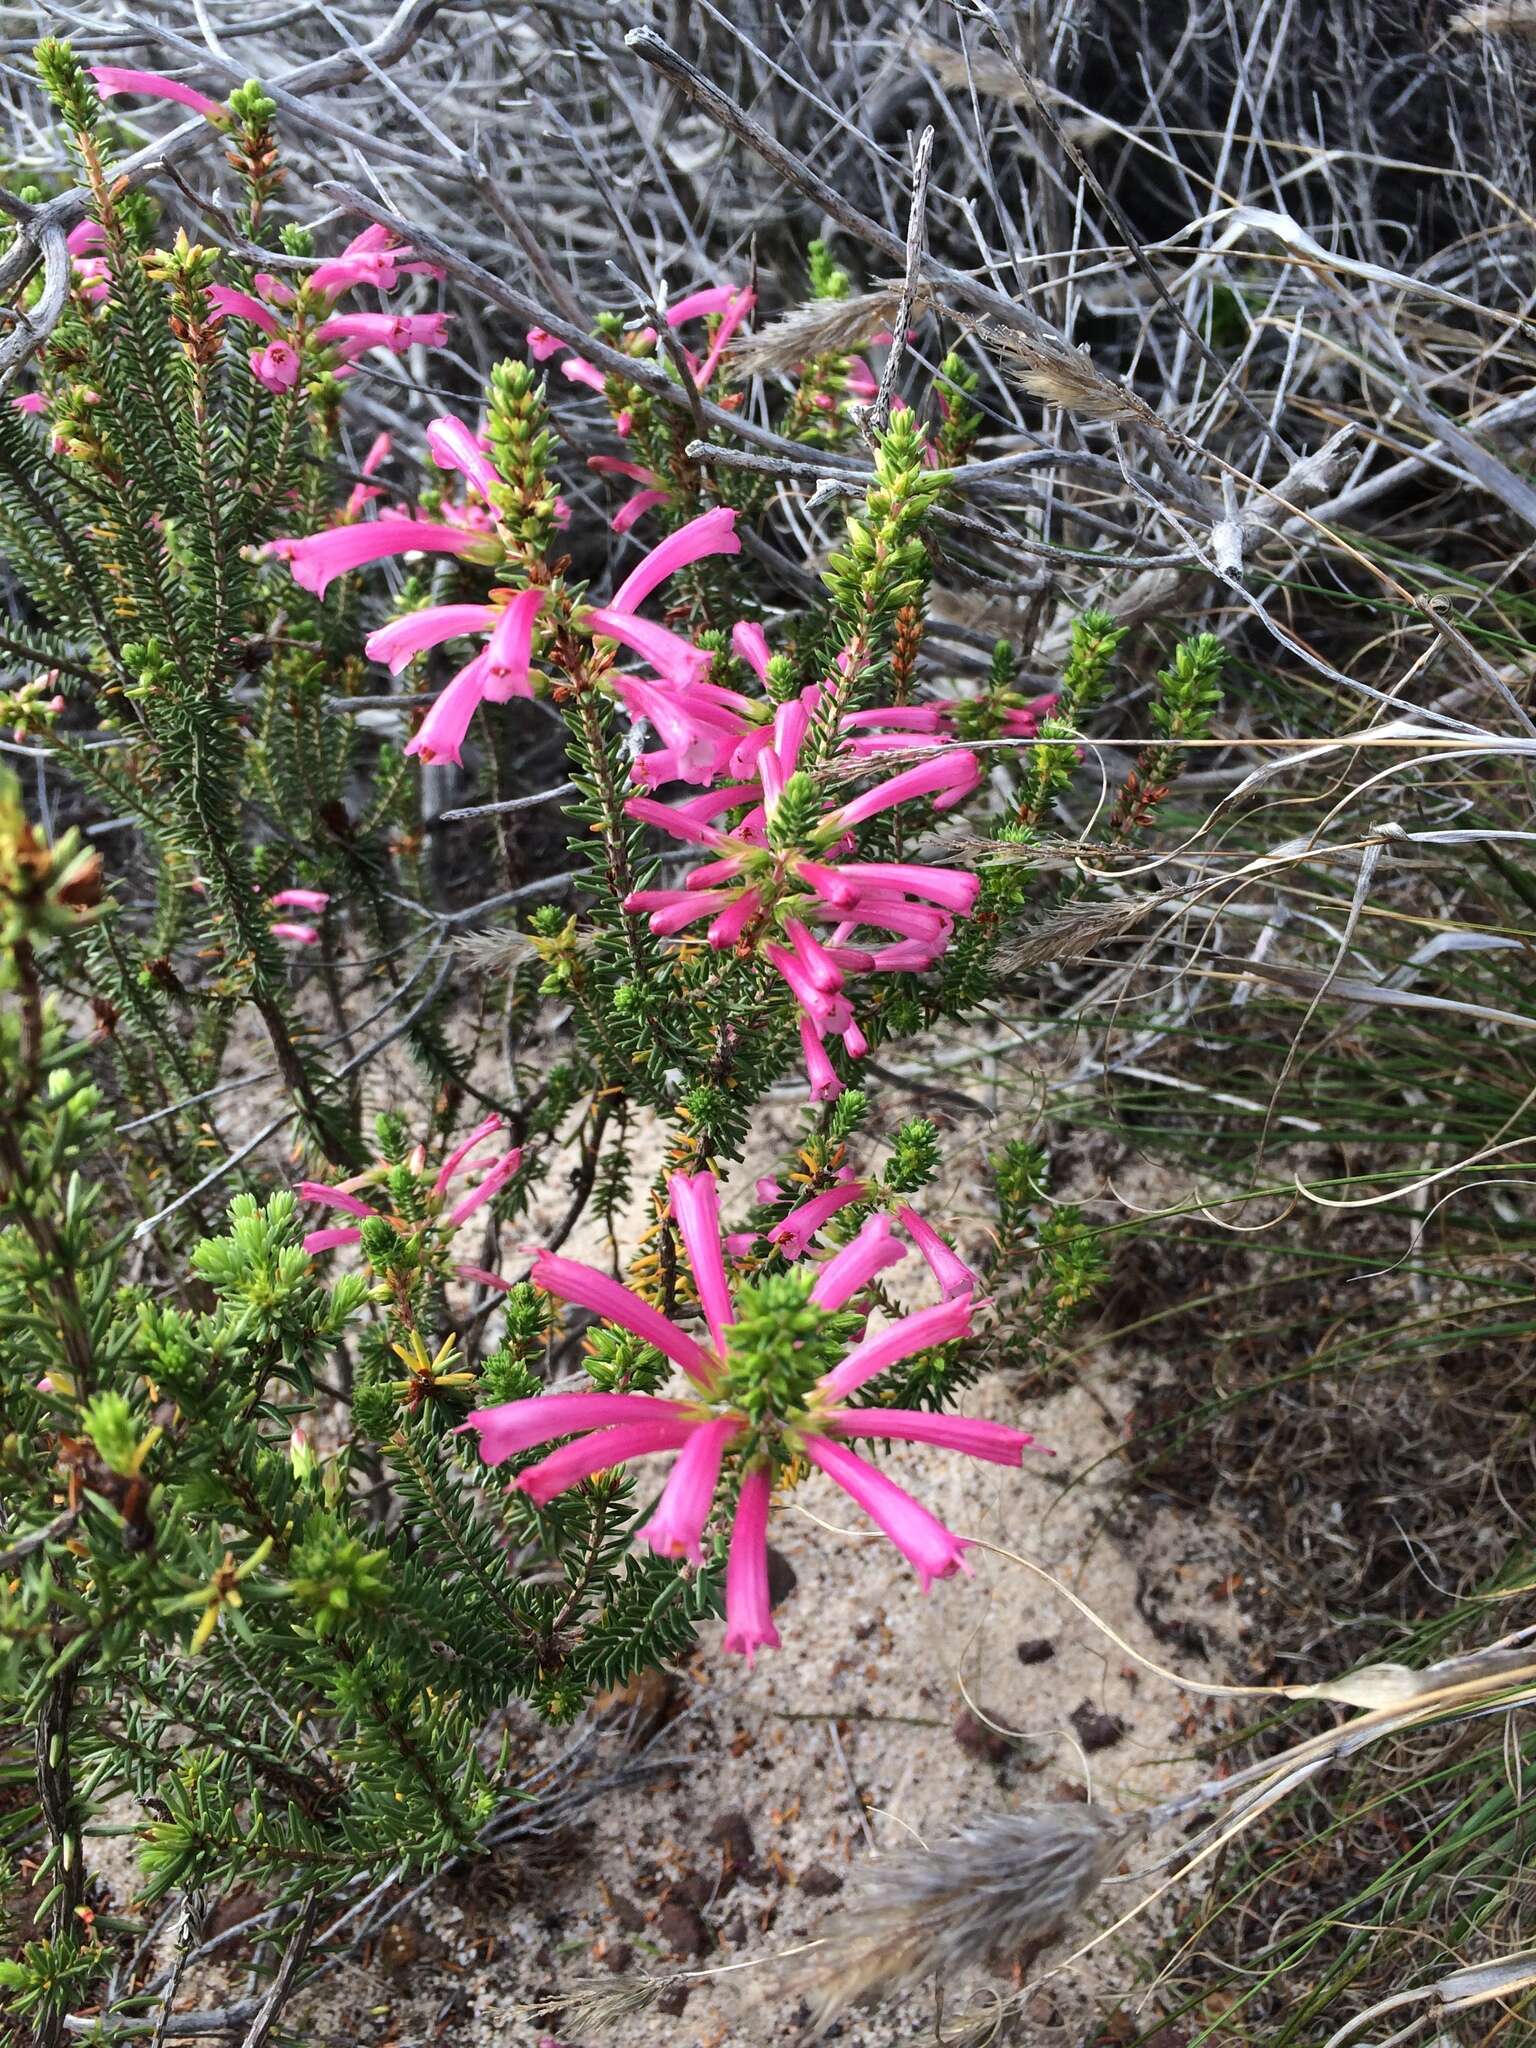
(752, 1414)
(345, 1197)
(764, 895)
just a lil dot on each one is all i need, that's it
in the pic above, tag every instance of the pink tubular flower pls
(712, 533)
(732, 314)
(519, 1426)
(590, 1456)
(794, 1232)
(482, 1276)
(373, 461)
(676, 1528)
(849, 1271)
(276, 366)
(319, 558)
(313, 900)
(238, 305)
(296, 934)
(441, 734)
(920, 1331)
(948, 778)
(398, 643)
(749, 643)
(748, 1609)
(993, 1441)
(954, 1276)
(696, 1206)
(354, 334)
(456, 446)
(30, 401)
(933, 1551)
(584, 1287)
(330, 1240)
(110, 81)
(820, 1074)
(541, 345)
(333, 1198)
(636, 508)
(712, 298)
(761, 1424)
(509, 655)
(672, 657)
(350, 1203)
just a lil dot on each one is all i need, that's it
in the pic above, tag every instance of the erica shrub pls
(264, 1386)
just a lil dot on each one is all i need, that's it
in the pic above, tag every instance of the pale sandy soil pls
(841, 1744)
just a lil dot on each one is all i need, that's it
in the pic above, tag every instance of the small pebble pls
(1096, 1729)
(682, 1928)
(977, 1740)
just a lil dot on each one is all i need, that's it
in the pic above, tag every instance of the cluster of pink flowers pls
(731, 303)
(501, 668)
(897, 728)
(374, 259)
(311, 900)
(721, 1418)
(760, 895)
(494, 1175)
(793, 1235)
(796, 898)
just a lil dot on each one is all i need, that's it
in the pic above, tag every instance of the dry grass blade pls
(1460, 1991)
(821, 327)
(1007, 1882)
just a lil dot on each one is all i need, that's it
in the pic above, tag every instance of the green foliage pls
(262, 1587)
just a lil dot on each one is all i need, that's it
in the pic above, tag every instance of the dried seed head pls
(504, 949)
(821, 327)
(1074, 934)
(1000, 80)
(1063, 376)
(1005, 1883)
(597, 2004)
